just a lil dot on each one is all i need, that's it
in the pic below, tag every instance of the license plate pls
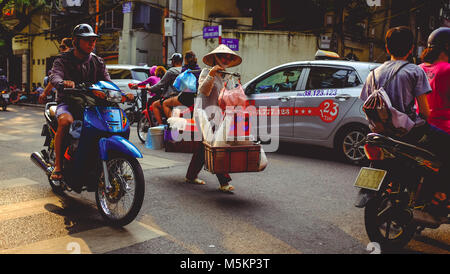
(370, 178)
(6, 96)
(49, 97)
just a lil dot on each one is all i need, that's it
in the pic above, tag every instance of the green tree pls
(10, 27)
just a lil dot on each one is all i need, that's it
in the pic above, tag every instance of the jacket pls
(67, 67)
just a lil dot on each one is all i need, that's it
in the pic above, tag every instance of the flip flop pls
(227, 188)
(56, 175)
(196, 181)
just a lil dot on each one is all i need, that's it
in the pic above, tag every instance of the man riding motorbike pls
(409, 84)
(78, 65)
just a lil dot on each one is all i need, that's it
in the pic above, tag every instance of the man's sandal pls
(227, 188)
(56, 175)
(196, 181)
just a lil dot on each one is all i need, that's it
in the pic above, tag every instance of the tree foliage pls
(23, 11)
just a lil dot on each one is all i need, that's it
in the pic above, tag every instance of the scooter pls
(4, 100)
(147, 118)
(99, 157)
(395, 189)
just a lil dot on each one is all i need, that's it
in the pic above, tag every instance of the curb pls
(31, 105)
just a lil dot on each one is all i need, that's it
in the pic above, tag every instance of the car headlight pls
(114, 96)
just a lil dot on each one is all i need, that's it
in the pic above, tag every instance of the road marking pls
(95, 241)
(149, 162)
(28, 208)
(7, 137)
(17, 182)
(244, 238)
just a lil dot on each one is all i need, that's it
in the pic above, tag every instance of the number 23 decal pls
(329, 111)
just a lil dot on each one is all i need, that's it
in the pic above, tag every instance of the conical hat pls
(208, 59)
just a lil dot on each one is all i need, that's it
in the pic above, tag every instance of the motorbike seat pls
(52, 111)
(383, 141)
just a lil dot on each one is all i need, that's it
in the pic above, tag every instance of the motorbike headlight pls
(114, 96)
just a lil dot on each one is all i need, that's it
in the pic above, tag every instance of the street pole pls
(175, 42)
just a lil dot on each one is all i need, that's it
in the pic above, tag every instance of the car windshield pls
(141, 74)
(119, 74)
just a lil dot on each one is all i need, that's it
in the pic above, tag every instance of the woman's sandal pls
(227, 188)
(196, 181)
(56, 175)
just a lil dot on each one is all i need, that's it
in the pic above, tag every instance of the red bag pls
(233, 97)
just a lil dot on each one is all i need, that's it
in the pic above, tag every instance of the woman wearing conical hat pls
(211, 81)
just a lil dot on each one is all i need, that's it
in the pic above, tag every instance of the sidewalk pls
(31, 105)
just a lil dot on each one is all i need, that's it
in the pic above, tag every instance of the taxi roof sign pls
(326, 55)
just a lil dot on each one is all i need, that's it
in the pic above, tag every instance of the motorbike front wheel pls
(121, 205)
(388, 224)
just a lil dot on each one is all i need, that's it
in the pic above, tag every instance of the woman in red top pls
(437, 68)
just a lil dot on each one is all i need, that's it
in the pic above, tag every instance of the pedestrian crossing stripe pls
(29, 208)
(95, 241)
(149, 162)
(17, 182)
(99, 240)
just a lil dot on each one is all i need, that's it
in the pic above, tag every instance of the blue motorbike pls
(99, 157)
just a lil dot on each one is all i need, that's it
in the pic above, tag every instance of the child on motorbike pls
(411, 84)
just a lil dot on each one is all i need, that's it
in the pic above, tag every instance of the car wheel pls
(350, 144)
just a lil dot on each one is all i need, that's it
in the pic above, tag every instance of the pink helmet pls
(152, 71)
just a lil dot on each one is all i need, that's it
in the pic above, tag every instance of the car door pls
(326, 95)
(277, 88)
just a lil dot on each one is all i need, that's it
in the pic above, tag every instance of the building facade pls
(275, 32)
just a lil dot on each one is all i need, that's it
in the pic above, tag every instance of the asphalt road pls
(301, 203)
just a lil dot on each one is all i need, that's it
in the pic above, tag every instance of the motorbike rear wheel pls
(388, 225)
(128, 186)
(144, 125)
(132, 115)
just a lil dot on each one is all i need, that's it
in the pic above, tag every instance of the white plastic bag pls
(204, 125)
(220, 135)
(177, 123)
(262, 160)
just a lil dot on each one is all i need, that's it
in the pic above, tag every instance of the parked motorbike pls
(4, 100)
(395, 190)
(99, 158)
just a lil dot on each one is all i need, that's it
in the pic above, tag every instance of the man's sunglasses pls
(62, 47)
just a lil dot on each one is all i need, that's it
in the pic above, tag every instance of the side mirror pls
(250, 89)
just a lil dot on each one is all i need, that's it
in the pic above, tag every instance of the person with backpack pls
(184, 98)
(390, 92)
(164, 88)
(437, 68)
